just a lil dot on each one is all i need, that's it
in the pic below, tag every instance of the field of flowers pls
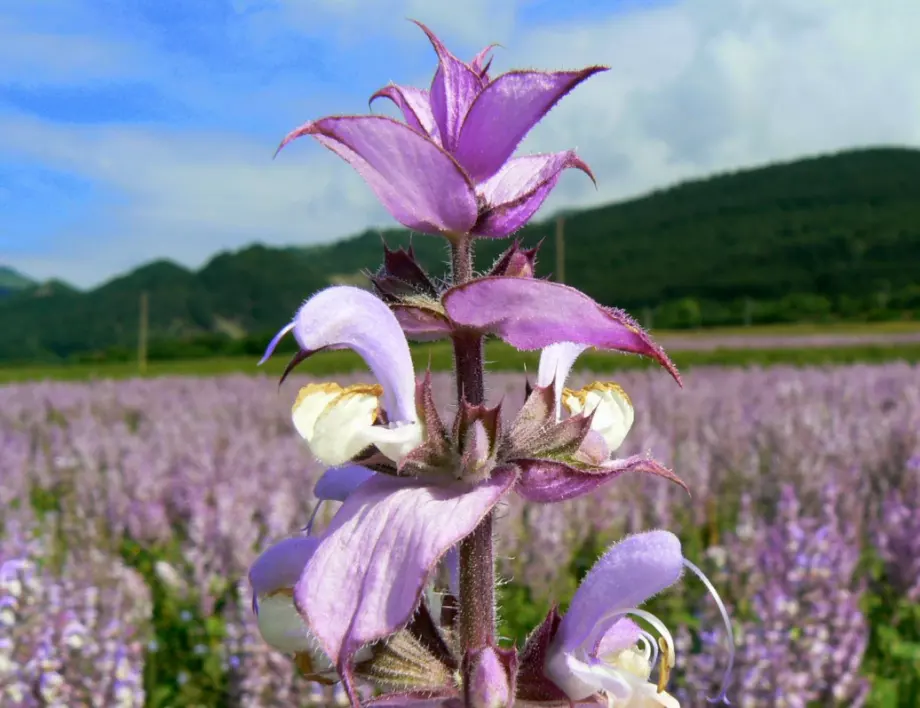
(130, 511)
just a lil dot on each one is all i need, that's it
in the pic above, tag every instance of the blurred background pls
(757, 207)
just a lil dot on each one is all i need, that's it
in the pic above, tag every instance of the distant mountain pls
(837, 235)
(12, 281)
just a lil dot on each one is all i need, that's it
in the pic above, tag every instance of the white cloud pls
(708, 85)
(187, 196)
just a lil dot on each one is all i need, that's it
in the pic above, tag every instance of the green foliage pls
(814, 240)
(893, 656)
(184, 663)
(499, 357)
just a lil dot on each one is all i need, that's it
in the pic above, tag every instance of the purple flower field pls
(131, 511)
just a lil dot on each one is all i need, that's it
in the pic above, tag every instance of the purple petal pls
(453, 90)
(533, 683)
(414, 178)
(421, 324)
(505, 111)
(519, 188)
(625, 577)
(338, 483)
(532, 314)
(414, 104)
(547, 481)
(365, 579)
(345, 316)
(280, 566)
(481, 63)
(623, 633)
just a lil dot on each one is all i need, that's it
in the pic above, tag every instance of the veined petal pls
(519, 188)
(338, 483)
(453, 89)
(532, 314)
(626, 576)
(345, 316)
(556, 363)
(421, 185)
(612, 409)
(547, 481)
(414, 104)
(505, 111)
(421, 324)
(368, 573)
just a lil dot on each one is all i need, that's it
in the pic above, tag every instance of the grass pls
(499, 357)
(799, 329)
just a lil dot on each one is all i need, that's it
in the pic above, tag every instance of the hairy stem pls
(477, 565)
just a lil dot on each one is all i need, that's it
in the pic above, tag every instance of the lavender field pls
(130, 512)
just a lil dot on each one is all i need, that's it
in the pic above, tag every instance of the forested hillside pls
(834, 237)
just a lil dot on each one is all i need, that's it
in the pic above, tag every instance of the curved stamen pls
(645, 648)
(270, 349)
(665, 642)
(651, 654)
(721, 698)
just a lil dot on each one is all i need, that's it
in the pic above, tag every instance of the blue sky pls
(140, 129)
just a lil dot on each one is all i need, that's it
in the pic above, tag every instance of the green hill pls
(832, 237)
(12, 282)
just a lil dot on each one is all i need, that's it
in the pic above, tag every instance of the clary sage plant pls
(358, 603)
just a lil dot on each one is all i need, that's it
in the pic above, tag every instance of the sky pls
(132, 130)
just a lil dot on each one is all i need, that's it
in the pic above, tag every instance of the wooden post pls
(560, 249)
(142, 334)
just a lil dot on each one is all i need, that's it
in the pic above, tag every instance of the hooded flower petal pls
(338, 483)
(519, 188)
(421, 185)
(272, 578)
(453, 90)
(414, 104)
(532, 314)
(626, 576)
(347, 317)
(504, 112)
(280, 566)
(378, 553)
